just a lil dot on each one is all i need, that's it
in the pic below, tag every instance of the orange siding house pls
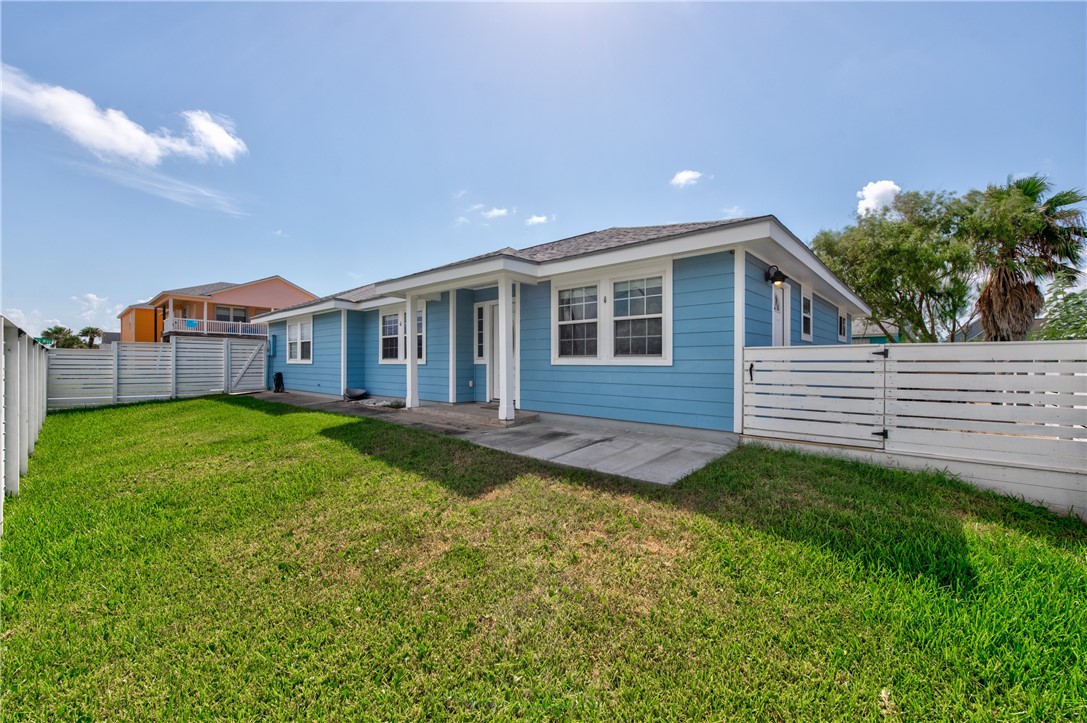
(217, 309)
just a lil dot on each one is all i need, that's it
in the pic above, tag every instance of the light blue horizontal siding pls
(824, 322)
(434, 375)
(323, 375)
(390, 380)
(758, 321)
(695, 391)
(465, 345)
(356, 349)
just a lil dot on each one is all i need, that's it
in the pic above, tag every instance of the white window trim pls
(843, 325)
(604, 279)
(805, 294)
(401, 309)
(475, 331)
(287, 339)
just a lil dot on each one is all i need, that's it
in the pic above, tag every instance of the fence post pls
(226, 366)
(116, 371)
(24, 403)
(173, 367)
(11, 411)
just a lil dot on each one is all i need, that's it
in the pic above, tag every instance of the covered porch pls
(195, 316)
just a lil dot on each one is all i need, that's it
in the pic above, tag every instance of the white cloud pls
(460, 194)
(733, 212)
(461, 220)
(685, 178)
(172, 189)
(535, 220)
(32, 322)
(95, 311)
(474, 207)
(281, 233)
(110, 134)
(875, 196)
(496, 213)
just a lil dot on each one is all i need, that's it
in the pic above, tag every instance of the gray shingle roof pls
(580, 245)
(202, 289)
(611, 238)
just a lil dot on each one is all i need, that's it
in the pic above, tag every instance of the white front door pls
(494, 373)
(777, 331)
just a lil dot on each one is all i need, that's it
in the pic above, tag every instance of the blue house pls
(643, 324)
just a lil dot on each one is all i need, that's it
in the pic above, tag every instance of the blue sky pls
(337, 144)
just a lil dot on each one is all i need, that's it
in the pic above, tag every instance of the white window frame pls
(806, 295)
(298, 323)
(604, 280)
(402, 342)
(843, 325)
(477, 331)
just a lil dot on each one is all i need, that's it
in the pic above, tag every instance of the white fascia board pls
(461, 275)
(377, 303)
(691, 245)
(329, 305)
(820, 274)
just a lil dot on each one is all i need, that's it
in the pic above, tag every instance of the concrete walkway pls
(658, 458)
(639, 452)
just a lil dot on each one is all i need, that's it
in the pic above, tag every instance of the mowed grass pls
(231, 558)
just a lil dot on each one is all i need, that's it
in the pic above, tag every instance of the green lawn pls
(231, 558)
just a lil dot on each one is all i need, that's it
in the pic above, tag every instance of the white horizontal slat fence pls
(134, 372)
(972, 408)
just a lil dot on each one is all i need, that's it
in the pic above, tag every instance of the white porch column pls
(411, 397)
(505, 348)
(739, 333)
(205, 317)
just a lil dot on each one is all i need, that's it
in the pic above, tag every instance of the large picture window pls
(639, 317)
(300, 342)
(577, 321)
(230, 313)
(621, 318)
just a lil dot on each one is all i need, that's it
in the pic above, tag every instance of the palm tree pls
(1022, 234)
(62, 337)
(90, 333)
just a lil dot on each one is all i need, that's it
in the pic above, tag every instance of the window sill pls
(613, 362)
(403, 362)
(299, 361)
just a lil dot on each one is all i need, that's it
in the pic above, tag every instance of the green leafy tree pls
(1065, 314)
(908, 264)
(1021, 234)
(89, 334)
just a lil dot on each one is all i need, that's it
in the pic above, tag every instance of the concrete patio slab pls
(638, 451)
(660, 459)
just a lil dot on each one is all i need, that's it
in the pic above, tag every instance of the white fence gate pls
(1017, 412)
(134, 372)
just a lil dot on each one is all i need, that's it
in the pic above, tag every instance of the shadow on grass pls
(889, 521)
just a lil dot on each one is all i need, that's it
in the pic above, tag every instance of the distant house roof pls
(201, 290)
(215, 287)
(865, 327)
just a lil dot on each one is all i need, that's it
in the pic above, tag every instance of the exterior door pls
(777, 332)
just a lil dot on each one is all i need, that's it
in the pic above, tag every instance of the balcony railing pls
(174, 324)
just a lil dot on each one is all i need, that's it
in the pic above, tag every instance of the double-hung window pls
(390, 337)
(393, 329)
(578, 311)
(843, 326)
(300, 342)
(639, 317)
(621, 318)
